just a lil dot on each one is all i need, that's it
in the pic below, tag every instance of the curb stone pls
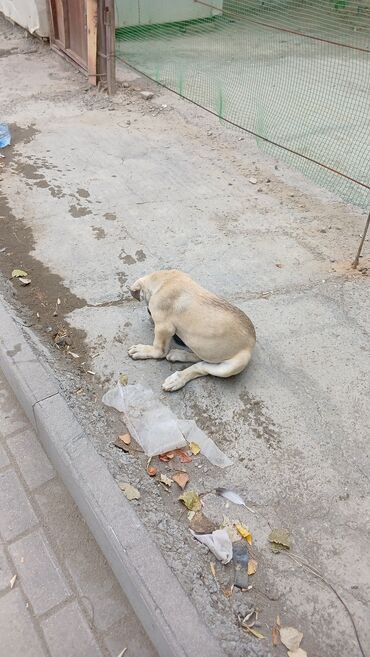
(156, 596)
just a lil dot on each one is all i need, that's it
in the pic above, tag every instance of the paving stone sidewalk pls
(58, 595)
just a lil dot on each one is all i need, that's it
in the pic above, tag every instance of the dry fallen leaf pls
(280, 539)
(123, 379)
(212, 566)
(195, 449)
(200, 524)
(123, 652)
(166, 480)
(19, 273)
(228, 591)
(184, 457)
(129, 491)
(12, 581)
(252, 566)
(253, 631)
(191, 500)
(151, 470)
(297, 653)
(290, 637)
(126, 438)
(24, 281)
(167, 456)
(181, 479)
(275, 632)
(244, 532)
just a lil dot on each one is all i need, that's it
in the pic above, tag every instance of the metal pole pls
(110, 26)
(358, 254)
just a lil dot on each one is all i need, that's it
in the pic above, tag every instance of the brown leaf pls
(252, 566)
(151, 470)
(121, 445)
(167, 456)
(290, 637)
(181, 479)
(275, 632)
(200, 524)
(184, 457)
(126, 438)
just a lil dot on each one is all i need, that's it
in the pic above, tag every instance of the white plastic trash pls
(149, 422)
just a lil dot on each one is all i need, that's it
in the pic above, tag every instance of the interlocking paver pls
(5, 572)
(17, 633)
(39, 572)
(31, 459)
(16, 514)
(67, 633)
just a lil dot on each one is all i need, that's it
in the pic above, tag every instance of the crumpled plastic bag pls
(208, 448)
(156, 428)
(219, 543)
(149, 422)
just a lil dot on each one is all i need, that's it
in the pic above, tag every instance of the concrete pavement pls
(98, 191)
(58, 596)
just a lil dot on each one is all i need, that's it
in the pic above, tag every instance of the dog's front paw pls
(174, 382)
(140, 351)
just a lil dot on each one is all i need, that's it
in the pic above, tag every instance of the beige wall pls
(30, 14)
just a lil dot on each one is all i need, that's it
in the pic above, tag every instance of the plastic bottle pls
(5, 137)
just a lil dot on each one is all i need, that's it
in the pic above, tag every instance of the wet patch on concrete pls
(253, 414)
(99, 233)
(83, 193)
(40, 297)
(140, 255)
(78, 211)
(128, 259)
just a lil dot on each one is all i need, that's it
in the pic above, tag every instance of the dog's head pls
(144, 287)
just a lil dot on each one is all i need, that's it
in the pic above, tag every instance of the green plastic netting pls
(294, 73)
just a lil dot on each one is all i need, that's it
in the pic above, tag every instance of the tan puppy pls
(219, 335)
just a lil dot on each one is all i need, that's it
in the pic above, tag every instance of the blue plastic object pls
(5, 137)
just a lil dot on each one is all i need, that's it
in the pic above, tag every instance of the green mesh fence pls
(293, 73)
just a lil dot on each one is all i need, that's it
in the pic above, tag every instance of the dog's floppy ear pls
(136, 291)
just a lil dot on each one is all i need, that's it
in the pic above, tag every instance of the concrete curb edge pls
(156, 596)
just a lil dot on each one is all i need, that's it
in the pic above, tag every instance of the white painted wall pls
(147, 12)
(30, 14)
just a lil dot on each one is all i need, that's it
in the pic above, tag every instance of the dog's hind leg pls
(182, 356)
(225, 369)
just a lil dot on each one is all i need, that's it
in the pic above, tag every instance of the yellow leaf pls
(252, 566)
(195, 449)
(191, 500)
(212, 566)
(244, 532)
(19, 273)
